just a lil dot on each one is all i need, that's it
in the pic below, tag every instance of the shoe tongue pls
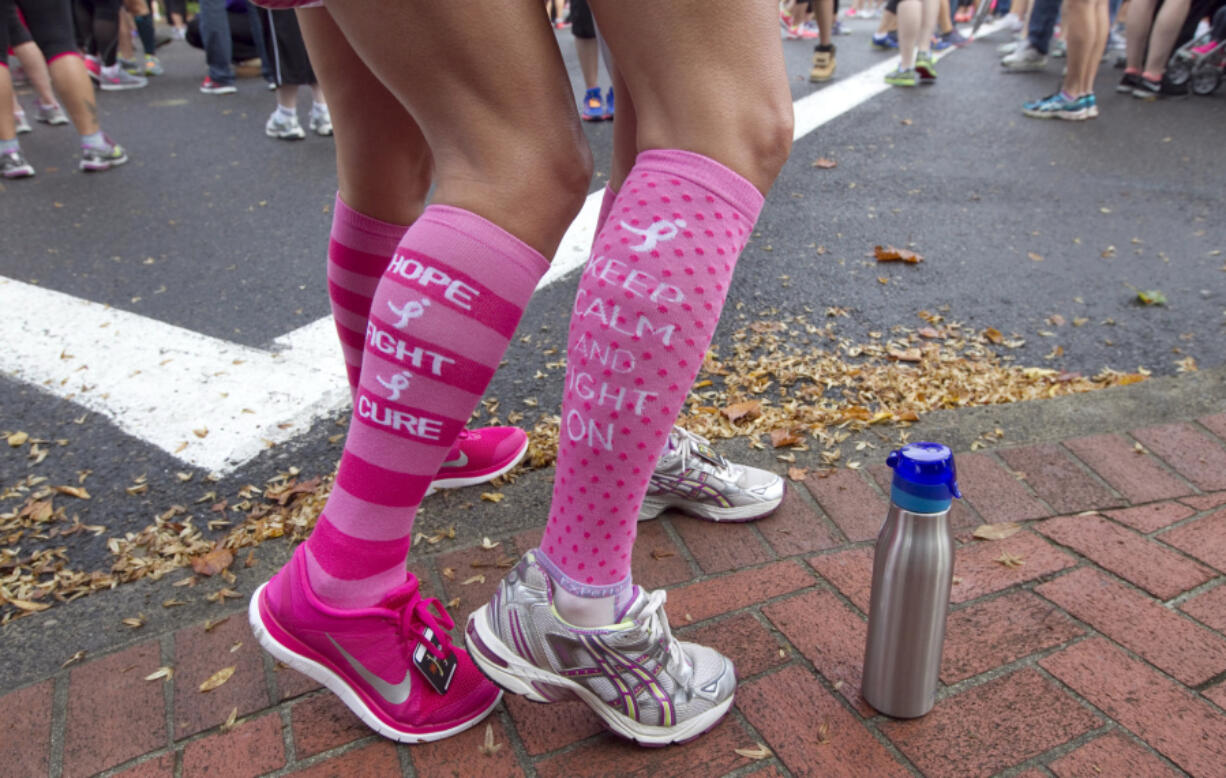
(629, 608)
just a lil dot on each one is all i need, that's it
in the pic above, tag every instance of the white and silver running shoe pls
(283, 128)
(642, 682)
(690, 477)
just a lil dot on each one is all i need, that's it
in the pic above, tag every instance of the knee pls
(771, 137)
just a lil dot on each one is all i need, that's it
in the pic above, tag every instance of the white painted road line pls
(215, 404)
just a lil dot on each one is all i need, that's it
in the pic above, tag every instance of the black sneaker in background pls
(1128, 83)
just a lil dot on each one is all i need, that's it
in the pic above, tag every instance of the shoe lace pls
(688, 444)
(427, 613)
(676, 663)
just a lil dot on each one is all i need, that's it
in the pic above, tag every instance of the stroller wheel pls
(1178, 71)
(1205, 81)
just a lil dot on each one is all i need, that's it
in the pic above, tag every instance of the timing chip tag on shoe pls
(708, 453)
(438, 672)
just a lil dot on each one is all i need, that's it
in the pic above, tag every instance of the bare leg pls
(513, 156)
(1102, 28)
(126, 25)
(910, 18)
(928, 23)
(1167, 24)
(8, 122)
(287, 97)
(824, 10)
(1078, 21)
(76, 92)
(715, 105)
(389, 185)
(31, 58)
(1138, 23)
(588, 51)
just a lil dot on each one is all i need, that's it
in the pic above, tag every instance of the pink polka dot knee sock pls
(644, 315)
(358, 252)
(440, 321)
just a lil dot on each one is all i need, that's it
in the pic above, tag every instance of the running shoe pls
(283, 128)
(953, 38)
(22, 123)
(1129, 82)
(823, 63)
(593, 106)
(211, 87)
(1204, 48)
(900, 77)
(1090, 104)
(925, 66)
(1152, 89)
(51, 114)
(1059, 49)
(1011, 46)
(118, 80)
(838, 28)
(94, 67)
(693, 479)
(320, 121)
(393, 664)
(480, 455)
(14, 165)
(886, 41)
(608, 104)
(95, 160)
(153, 66)
(1023, 59)
(130, 65)
(1057, 106)
(809, 30)
(642, 682)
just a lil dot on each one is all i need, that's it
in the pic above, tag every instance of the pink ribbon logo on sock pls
(657, 232)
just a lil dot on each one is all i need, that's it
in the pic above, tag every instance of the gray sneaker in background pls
(22, 123)
(690, 477)
(283, 128)
(642, 682)
(1024, 59)
(53, 115)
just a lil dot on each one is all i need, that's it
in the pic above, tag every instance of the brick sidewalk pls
(1102, 654)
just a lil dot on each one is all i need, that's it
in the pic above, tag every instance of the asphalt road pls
(217, 229)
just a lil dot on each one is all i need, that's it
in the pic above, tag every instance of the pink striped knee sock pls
(440, 321)
(358, 252)
(644, 315)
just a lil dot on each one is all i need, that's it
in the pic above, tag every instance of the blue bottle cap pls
(925, 477)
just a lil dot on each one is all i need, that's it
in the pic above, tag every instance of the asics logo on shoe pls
(395, 694)
(660, 231)
(459, 461)
(692, 485)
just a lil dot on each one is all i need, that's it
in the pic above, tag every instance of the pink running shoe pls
(480, 455)
(394, 664)
(1205, 48)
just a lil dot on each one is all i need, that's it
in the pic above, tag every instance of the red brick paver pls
(1151, 566)
(1204, 539)
(731, 592)
(849, 501)
(1208, 607)
(830, 636)
(1152, 517)
(1112, 754)
(1058, 479)
(202, 651)
(1177, 645)
(114, 714)
(995, 632)
(996, 494)
(721, 547)
(1189, 451)
(462, 754)
(810, 730)
(25, 746)
(377, 760)
(979, 569)
(322, 722)
(990, 727)
(1164, 714)
(796, 528)
(1131, 472)
(253, 748)
(712, 754)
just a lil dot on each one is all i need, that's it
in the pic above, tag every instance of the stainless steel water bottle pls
(912, 573)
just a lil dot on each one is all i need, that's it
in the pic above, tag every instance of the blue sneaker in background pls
(608, 104)
(593, 106)
(885, 42)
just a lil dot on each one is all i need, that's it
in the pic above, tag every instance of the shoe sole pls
(300, 135)
(473, 480)
(19, 174)
(511, 673)
(222, 91)
(341, 688)
(98, 167)
(1068, 117)
(739, 514)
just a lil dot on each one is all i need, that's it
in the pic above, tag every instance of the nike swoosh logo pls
(395, 694)
(460, 462)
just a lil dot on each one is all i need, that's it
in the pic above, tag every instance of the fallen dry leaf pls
(761, 752)
(748, 411)
(892, 254)
(825, 163)
(77, 657)
(798, 473)
(72, 491)
(1009, 560)
(489, 545)
(781, 438)
(479, 578)
(213, 562)
(998, 531)
(27, 605)
(494, 497)
(165, 671)
(993, 335)
(232, 721)
(218, 678)
(659, 553)
(489, 747)
(18, 439)
(1034, 256)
